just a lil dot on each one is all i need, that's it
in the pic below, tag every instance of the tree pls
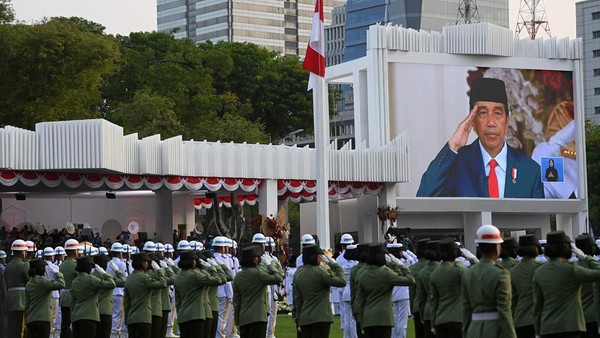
(7, 13)
(592, 144)
(52, 71)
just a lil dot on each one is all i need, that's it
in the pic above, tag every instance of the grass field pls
(287, 329)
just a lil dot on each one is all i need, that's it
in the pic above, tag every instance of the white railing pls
(99, 145)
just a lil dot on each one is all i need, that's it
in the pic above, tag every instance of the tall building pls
(280, 25)
(334, 36)
(588, 29)
(415, 14)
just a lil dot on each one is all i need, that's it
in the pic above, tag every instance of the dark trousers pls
(140, 330)
(192, 329)
(359, 330)
(16, 327)
(65, 322)
(449, 330)
(427, 329)
(591, 330)
(562, 335)
(525, 331)
(84, 328)
(163, 324)
(104, 327)
(38, 330)
(208, 325)
(213, 327)
(419, 329)
(156, 323)
(253, 330)
(317, 330)
(378, 332)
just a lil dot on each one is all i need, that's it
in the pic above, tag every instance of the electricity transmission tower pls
(532, 17)
(467, 12)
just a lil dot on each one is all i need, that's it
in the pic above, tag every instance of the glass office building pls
(588, 29)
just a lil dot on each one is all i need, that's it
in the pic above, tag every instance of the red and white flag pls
(314, 61)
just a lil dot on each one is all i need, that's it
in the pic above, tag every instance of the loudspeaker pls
(20, 196)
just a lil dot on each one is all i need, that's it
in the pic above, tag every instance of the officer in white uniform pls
(305, 240)
(183, 245)
(225, 292)
(346, 316)
(271, 291)
(116, 251)
(336, 293)
(2, 260)
(49, 255)
(169, 251)
(400, 297)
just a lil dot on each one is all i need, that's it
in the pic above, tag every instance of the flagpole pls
(321, 120)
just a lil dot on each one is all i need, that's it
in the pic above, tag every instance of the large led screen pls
(459, 118)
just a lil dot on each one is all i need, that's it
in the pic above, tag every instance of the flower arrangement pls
(386, 213)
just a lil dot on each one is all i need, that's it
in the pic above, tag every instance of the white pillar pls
(472, 222)
(267, 198)
(321, 119)
(163, 215)
(572, 224)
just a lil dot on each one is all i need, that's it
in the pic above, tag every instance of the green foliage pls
(52, 71)
(7, 13)
(592, 144)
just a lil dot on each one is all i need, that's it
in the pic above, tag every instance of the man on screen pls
(488, 167)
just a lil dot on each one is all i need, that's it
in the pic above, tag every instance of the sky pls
(126, 16)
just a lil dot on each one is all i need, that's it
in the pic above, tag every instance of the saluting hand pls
(461, 135)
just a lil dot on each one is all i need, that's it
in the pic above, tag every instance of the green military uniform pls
(213, 303)
(16, 276)
(507, 263)
(67, 268)
(85, 314)
(556, 295)
(311, 292)
(374, 293)
(166, 299)
(415, 269)
(487, 300)
(354, 272)
(522, 291)
(105, 303)
(250, 294)
(38, 295)
(137, 298)
(191, 292)
(445, 293)
(422, 293)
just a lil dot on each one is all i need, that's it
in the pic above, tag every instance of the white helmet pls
(71, 244)
(221, 241)
(48, 251)
(160, 247)
(103, 251)
(234, 244)
(259, 238)
(307, 239)
(169, 248)
(39, 254)
(18, 245)
(199, 246)
(30, 246)
(183, 245)
(488, 234)
(80, 249)
(149, 246)
(59, 250)
(116, 247)
(127, 248)
(270, 241)
(346, 239)
(193, 245)
(2, 254)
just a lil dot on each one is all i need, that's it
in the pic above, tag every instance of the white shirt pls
(123, 267)
(501, 169)
(225, 290)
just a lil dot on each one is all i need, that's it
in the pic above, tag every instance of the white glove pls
(266, 259)
(54, 269)
(155, 266)
(577, 252)
(411, 254)
(327, 259)
(205, 264)
(388, 260)
(163, 264)
(169, 262)
(393, 260)
(433, 330)
(99, 269)
(113, 266)
(467, 254)
(212, 262)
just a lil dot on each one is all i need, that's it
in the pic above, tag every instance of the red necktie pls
(493, 180)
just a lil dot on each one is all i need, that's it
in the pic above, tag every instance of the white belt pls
(485, 316)
(16, 288)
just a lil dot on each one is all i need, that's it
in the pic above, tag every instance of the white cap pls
(307, 239)
(103, 251)
(394, 245)
(193, 245)
(80, 249)
(39, 254)
(18, 245)
(126, 248)
(149, 246)
(221, 241)
(259, 238)
(2, 254)
(30, 246)
(183, 245)
(160, 247)
(169, 248)
(93, 251)
(199, 246)
(134, 249)
(116, 247)
(234, 244)
(270, 241)
(351, 247)
(346, 239)
(71, 244)
(488, 234)
(48, 251)
(59, 250)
